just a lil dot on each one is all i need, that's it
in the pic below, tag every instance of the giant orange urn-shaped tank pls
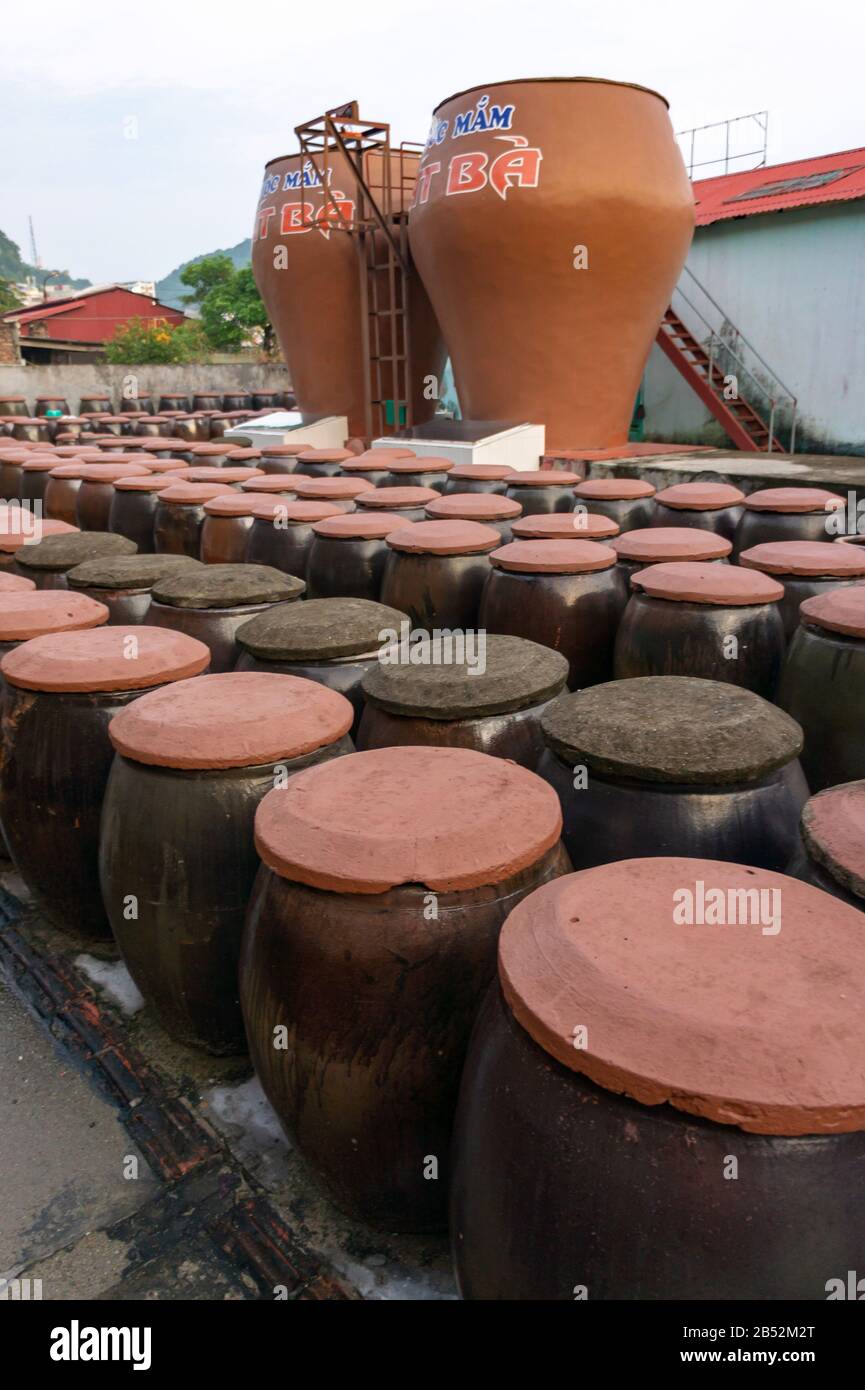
(308, 269)
(550, 223)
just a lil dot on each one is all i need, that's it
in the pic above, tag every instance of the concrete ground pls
(135, 1168)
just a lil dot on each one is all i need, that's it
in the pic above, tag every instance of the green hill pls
(12, 267)
(171, 290)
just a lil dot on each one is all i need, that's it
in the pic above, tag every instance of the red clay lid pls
(71, 470)
(229, 504)
(356, 526)
(793, 499)
(542, 477)
(111, 472)
(149, 482)
(13, 535)
(364, 464)
(284, 509)
(446, 818)
(695, 582)
(444, 538)
(551, 526)
(387, 451)
(729, 1022)
(244, 456)
(474, 506)
(614, 489)
(812, 558)
(232, 719)
(280, 451)
(700, 497)
(393, 498)
(185, 494)
(422, 463)
(655, 544)
(110, 658)
(553, 557)
(205, 451)
(483, 472)
(39, 465)
(341, 488)
(223, 475)
(23, 616)
(833, 829)
(15, 583)
(325, 455)
(841, 610)
(271, 482)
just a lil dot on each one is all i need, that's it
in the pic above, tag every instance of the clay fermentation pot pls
(370, 937)
(48, 563)
(211, 602)
(436, 571)
(787, 514)
(620, 1073)
(347, 556)
(832, 853)
(580, 183)
(194, 762)
(674, 765)
(124, 582)
(807, 569)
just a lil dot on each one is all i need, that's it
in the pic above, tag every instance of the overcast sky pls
(211, 91)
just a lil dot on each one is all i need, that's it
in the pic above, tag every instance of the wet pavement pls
(135, 1168)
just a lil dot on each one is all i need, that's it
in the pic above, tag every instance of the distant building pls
(74, 326)
(781, 251)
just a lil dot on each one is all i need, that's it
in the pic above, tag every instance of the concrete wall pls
(794, 284)
(34, 380)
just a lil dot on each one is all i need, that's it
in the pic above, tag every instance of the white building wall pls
(794, 284)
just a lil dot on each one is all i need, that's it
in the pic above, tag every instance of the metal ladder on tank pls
(380, 230)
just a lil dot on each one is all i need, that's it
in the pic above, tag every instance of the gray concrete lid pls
(515, 673)
(128, 571)
(320, 629)
(673, 729)
(227, 586)
(64, 552)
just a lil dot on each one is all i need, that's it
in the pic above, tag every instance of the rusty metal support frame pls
(341, 129)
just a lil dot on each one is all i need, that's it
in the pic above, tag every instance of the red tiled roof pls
(828, 178)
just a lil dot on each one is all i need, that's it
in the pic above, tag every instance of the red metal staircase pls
(714, 366)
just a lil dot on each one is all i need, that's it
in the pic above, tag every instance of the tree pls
(143, 341)
(8, 298)
(231, 309)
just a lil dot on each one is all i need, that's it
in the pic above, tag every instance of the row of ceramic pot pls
(98, 403)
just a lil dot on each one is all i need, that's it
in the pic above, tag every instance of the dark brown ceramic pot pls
(33, 480)
(60, 693)
(179, 516)
(174, 400)
(487, 694)
(31, 431)
(124, 582)
(213, 601)
(674, 764)
(787, 514)
(207, 400)
(46, 403)
(13, 405)
(831, 855)
(133, 509)
(61, 492)
(425, 471)
(624, 500)
(404, 504)
(96, 493)
(347, 555)
(568, 595)
(322, 463)
(807, 569)
(226, 528)
(720, 622)
(335, 641)
(281, 458)
(823, 685)
(48, 563)
(138, 405)
(12, 461)
(94, 405)
(710, 506)
(195, 767)
(478, 477)
(436, 572)
(282, 534)
(370, 945)
(237, 401)
(606, 1098)
(153, 427)
(265, 400)
(212, 455)
(543, 490)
